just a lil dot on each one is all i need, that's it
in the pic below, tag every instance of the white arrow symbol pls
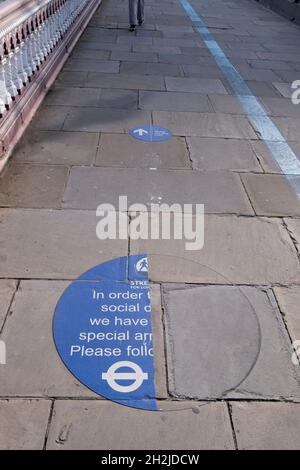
(140, 132)
(138, 376)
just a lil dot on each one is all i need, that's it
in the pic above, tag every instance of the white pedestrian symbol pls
(138, 376)
(142, 265)
(140, 132)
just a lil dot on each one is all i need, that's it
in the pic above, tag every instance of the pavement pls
(224, 317)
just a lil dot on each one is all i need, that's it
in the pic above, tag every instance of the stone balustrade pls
(36, 37)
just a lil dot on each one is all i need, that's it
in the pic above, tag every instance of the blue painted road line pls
(256, 113)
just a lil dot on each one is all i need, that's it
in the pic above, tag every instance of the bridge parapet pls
(36, 37)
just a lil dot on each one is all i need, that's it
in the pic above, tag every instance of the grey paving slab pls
(238, 249)
(121, 150)
(50, 118)
(222, 154)
(205, 124)
(267, 426)
(83, 46)
(241, 322)
(99, 425)
(258, 75)
(287, 75)
(73, 96)
(207, 71)
(267, 160)
(49, 244)
(128, 82)
(272, 195)
(134, 56)
(84, 53)
(32, 186)
(74, 79)
(181, 59)
(294, 227)
(270, 64)
(116, 98)
(290, 127)
(29, 371)
(281, 107)
(288, 299)
(105, 120)
(226, 104)
(174, 101)
(57, 147)
(284, 89)
(263, 89)
(151, 68)
(23, 424)
(195, 85)
(90, 65)
(220, 192)
(140, 48)
(7, 290)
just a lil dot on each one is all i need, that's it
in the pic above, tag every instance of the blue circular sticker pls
(102, 330)
(150, 133)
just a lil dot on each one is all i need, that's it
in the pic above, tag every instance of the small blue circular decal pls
(151, 133)
(102, 330)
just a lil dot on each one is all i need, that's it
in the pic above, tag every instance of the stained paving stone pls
(183, 59)
(108, 120)
(239, 249)
(254, 350)
(205, 124)
(174, 101)
(289, 300)
(267, 426)
(195, 85)
(294, 227)
(57, 148)
(7, 290)
(103, 425)
(151, 68)
(272, 195)
(23, 424)
(116, 98)
(128, 82)
(236, 154)
(32, 186)
(29, 372)
(52, 244)
(88, 187)
(121, 150)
